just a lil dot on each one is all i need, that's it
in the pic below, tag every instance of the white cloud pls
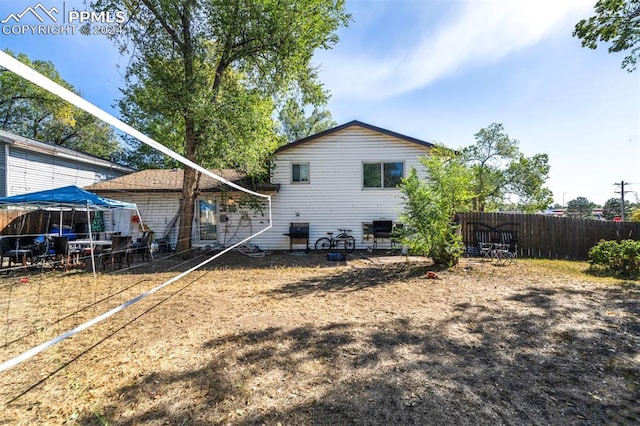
(481, 32)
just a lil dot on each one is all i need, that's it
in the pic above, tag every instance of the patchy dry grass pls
(298, 340)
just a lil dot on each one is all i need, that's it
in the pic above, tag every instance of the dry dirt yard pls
(298, 340)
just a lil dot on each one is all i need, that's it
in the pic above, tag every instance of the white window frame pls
(381, 164)
(299, 164)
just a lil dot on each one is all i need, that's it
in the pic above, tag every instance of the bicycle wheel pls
(349, 244)
(323, 244)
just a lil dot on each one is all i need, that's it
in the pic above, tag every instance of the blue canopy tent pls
(66, 198)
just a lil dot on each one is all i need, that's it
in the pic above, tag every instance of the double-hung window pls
(382, 175)
(300, 172)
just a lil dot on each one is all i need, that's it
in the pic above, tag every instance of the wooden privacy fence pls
(35, 222)
(549, 237)
(7, 216)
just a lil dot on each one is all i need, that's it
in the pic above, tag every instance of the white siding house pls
(329, 181)
(344, 177)
(27, 165)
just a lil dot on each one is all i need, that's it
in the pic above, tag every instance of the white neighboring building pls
(344, 177)
(27, 165)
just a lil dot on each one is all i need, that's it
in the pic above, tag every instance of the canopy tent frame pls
(70, 198)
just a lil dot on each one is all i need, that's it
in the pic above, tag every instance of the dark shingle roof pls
(170, 180)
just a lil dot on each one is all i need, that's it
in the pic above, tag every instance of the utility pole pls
(622, 192)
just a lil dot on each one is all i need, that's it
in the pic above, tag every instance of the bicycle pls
(342, 241)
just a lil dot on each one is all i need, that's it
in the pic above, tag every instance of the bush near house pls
(620, 258)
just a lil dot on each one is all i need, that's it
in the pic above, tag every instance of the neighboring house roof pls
(354, 123)
(58, 151)
(170, 180)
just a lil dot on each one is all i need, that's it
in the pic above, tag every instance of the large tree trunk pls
(477, 204)
(187, 207)
(191, 177)
(189, 191)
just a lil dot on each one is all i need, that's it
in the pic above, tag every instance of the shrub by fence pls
(550, 237)
(620, 258)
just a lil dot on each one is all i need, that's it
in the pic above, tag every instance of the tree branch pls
(160, 17)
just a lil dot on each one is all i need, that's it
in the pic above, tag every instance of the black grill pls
(298, 231)
(382, 229)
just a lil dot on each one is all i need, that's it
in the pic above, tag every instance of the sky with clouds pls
(440, 71)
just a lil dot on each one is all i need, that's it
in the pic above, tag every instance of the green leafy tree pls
(581, 207)
(430, 206)
(295, 125)
(196, 65)
(616, 22)
(242, 132)
(30, 111)
(613, 207)
(501, 171)
(526, 178)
